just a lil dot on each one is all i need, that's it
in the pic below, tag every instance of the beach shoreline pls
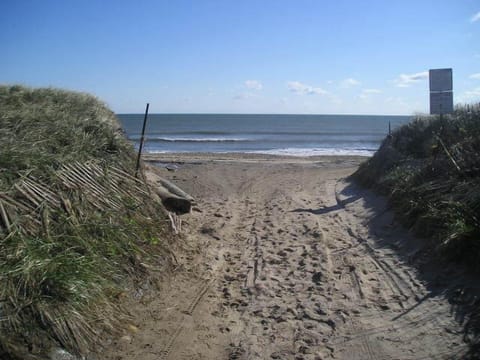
(294, 134)
(189, 157)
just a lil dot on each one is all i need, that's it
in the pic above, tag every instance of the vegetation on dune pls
(43, 128)
(75, 227)
(430, 169)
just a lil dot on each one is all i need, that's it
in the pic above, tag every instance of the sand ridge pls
(285, 259)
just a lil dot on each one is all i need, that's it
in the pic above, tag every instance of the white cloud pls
(405, 80)
(367, 92)
(475, 76)
(347, 83)
(304, 89)
(335, 100)
(371, 91)
(398, 103)
(243, 96)
(253, 84)
(470, 95)
(475, 17)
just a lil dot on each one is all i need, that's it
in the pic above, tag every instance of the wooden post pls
(389, 129)
(141, 140)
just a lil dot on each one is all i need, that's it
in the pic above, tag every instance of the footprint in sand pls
(317, 278)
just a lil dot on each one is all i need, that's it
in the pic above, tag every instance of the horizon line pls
(226, 113)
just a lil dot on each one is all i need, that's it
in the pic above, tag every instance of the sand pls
(284, 258)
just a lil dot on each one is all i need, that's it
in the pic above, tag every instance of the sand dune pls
(282, 258)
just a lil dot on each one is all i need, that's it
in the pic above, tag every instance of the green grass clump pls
(64, 262)
(44, 128)
(430, 169)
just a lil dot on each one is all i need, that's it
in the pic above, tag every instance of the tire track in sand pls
(300, 275)
(420, 316)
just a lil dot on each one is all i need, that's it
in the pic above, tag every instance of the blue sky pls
(248, 56)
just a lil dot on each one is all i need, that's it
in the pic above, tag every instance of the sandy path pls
(283, 259)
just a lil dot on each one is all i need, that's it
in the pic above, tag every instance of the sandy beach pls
(285, 258)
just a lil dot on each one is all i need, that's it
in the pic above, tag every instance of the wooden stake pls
(142, 140)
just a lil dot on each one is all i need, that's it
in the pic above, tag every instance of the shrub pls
(430, 170)
(74, 225)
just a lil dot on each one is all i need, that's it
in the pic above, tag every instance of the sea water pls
(297, 135)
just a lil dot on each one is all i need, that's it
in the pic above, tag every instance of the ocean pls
(296, 135)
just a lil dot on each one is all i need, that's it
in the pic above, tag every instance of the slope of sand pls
(281, 258)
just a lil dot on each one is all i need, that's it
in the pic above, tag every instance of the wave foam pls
(185, 139)
(293, 152)
(316, 152)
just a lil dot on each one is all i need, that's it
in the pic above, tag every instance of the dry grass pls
(430, 169)
(74, 225)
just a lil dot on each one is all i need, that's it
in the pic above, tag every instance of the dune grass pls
(430, 169)
(65, 259)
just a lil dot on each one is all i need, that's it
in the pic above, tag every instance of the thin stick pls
(142, 140)
(448, 154)
(172, 223)
(4, 216)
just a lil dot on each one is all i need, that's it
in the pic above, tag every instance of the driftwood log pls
(173, 198)
(174, 189)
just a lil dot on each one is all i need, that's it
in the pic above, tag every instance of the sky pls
(244, 56)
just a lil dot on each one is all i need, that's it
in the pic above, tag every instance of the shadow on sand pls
(451, 281)
(325, 210)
